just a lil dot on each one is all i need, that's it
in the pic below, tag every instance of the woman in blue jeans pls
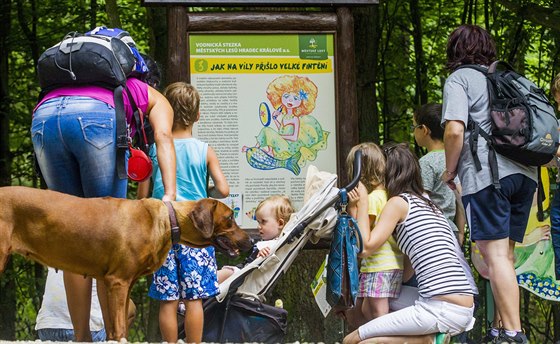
(74, 139)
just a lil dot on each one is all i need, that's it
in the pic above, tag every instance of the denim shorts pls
(494, 214)
(74, 140)
(67, 335)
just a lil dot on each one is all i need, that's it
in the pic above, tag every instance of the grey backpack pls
(524, 127)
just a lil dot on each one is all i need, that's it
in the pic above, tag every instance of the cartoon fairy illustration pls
(297, 136)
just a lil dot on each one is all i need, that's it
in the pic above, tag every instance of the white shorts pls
(407, 297)
(425, 317)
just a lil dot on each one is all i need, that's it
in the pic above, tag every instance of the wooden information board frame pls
(338, 21)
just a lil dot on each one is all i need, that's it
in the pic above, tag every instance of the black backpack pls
(524, 127)
(102, 59)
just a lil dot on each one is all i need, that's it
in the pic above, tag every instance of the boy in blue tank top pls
(188, 273)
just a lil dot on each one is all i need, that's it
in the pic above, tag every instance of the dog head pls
(214, 224)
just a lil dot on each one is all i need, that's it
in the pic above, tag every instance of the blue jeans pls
(555, 229)
(67, 335)
(74, 139)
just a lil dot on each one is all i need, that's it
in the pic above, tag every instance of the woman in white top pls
(445, 283)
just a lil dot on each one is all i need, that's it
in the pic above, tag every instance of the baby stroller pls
(238, 313)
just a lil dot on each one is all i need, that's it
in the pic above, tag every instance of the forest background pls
(400, 58)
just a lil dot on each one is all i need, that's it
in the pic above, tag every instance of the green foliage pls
(28, 296)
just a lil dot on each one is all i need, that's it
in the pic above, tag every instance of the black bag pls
(524, 127)
(342, 265)
(239, 320)
(101, 59)
(86, 60)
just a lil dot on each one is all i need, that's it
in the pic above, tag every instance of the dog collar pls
(175, 230)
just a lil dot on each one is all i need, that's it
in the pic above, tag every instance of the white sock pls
(511, 333)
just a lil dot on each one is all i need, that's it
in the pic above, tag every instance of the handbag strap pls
(342, 212)
(138, 118)
(359, 235)
(122, 132)
(343, 194)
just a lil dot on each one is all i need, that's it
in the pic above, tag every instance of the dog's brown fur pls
(113, 240)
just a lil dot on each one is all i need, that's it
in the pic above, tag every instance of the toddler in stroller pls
(272, 214)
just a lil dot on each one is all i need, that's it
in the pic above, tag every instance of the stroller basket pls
(237, 313)
(239, 320)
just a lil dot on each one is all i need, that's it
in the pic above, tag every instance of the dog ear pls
(202, 216)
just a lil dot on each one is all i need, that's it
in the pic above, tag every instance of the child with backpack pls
(445, 282)
(381, 272)
(188, 273)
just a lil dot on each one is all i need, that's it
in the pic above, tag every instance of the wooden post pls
(348, 134)
(177, 44)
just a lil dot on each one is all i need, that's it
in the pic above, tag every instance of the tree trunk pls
(556, 321)
(7, 282)
(152, 330)
(5, 159)
(8, 303)
(367, 35)
(157, 25)
(487, 15)
(93, 14)
(30, 31)
(113, 13)
(421, 94)
(39, 272)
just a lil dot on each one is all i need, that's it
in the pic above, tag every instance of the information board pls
(268, 110)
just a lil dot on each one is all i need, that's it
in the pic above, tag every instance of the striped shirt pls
(426, 238)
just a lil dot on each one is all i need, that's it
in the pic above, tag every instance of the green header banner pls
(305, 46)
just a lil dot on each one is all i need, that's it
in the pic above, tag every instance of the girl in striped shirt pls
(445, 284)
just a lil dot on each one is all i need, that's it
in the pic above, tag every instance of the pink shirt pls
(137, 88)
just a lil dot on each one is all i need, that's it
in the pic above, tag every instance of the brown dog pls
(113, 240)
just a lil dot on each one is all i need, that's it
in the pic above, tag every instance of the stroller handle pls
(357, 167)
